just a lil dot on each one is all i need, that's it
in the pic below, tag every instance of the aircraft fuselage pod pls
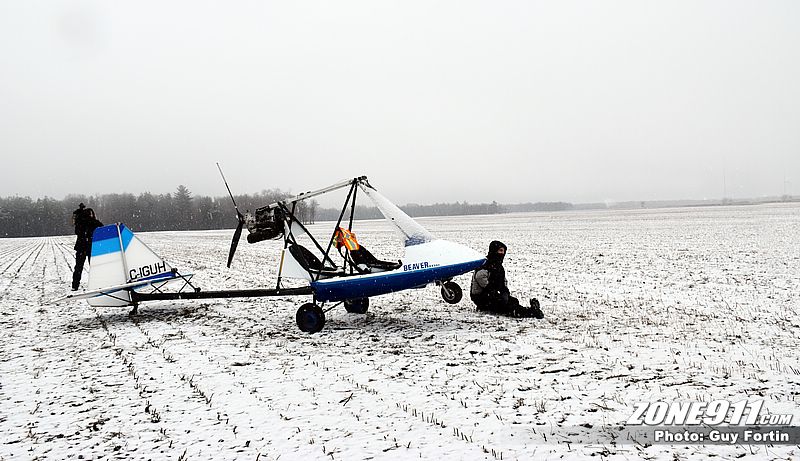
(425, 263)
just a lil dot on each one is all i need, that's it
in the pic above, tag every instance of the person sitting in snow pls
(489, 290)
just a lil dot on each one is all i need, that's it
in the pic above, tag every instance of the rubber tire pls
(455, 292)
(310, 318)
(357, 306)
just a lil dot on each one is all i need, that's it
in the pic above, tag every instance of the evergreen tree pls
(184, 211)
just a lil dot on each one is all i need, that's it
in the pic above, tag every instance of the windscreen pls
(410, 232)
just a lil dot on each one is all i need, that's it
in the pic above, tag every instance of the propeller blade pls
(238, 234)
(235, 242)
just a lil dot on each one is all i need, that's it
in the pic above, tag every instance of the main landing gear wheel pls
(451, 292)
(357, 306)
(310, 318)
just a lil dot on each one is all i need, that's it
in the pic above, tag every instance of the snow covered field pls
(677, 304)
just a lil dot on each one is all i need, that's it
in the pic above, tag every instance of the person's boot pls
(536, 311)
(521, 312)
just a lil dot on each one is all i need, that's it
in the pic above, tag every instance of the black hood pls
(493, 247)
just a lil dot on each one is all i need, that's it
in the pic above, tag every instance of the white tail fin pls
(119, 258)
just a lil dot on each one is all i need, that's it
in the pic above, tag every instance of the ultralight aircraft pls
(335, 270)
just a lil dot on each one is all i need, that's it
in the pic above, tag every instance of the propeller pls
(238, 234)
(235, 241)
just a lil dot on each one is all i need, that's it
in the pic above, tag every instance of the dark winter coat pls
(88, 225)
(489, 286)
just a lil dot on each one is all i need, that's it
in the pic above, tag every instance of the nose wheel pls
(310, 318)
(451, 292)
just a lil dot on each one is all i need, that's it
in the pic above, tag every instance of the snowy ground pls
(683, 304)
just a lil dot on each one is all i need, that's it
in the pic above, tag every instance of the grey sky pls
(434, 101)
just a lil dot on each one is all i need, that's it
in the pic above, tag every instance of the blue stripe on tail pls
(105, 240)
(105, 233)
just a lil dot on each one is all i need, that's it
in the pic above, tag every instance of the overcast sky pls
(433, 100)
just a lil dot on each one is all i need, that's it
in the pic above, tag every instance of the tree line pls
(27, 217)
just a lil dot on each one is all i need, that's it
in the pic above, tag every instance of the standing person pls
(85, 224)
(489, 290)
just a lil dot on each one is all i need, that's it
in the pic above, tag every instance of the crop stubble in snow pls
(680, 304)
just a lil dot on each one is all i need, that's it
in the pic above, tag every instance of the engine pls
(265, 225)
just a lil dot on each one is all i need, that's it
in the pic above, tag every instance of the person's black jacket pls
(79, 218)
(87, 228)
(489, 281)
